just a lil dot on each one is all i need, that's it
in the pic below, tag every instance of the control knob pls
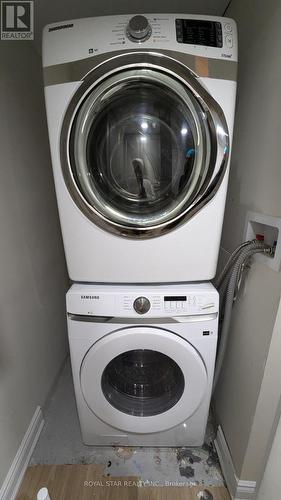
(141, 305)
(138, 29)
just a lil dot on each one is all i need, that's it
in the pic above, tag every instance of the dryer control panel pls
(139, 301)
(209, 37)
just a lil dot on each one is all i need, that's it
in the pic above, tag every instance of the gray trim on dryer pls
(201, 66)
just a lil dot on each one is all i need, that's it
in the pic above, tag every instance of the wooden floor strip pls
(85, 482)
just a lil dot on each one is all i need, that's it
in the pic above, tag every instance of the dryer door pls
(140, 150)
(143, 379)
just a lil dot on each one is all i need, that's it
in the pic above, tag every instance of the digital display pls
(175, 298)
(195, 32)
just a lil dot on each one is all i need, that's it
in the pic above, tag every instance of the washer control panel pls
(169, 305)
(149, 301)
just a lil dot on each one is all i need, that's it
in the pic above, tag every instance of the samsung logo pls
(61, 27)
(94, 297)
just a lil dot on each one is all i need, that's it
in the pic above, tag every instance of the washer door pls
(143, 379)
(141, 149)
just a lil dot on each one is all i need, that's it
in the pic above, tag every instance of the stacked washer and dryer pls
(140, 115)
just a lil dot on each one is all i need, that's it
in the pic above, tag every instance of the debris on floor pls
(205, 495)
(71, 482)
(60, 443)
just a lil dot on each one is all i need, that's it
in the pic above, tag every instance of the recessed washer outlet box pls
(270, 228)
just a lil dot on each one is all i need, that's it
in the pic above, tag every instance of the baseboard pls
(16, 472)
(238, 489)
(246, 490)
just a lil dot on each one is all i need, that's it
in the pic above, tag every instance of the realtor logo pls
(17, 20)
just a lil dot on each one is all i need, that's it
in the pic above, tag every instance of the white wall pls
(268, 409)
(271, 484)
(32, 269)
(254, 185)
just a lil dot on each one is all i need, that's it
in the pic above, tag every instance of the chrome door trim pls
(84, 122)
(83, 318)
(216, 123)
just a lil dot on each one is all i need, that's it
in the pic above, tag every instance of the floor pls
(85, 482)
(60, 443)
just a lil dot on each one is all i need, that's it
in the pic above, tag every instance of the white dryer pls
(140, 114)
(143, 362)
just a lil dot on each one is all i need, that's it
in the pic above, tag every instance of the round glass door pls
(142, 382)
(143, 379)
(141, 150)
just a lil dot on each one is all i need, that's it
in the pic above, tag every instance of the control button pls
(179, 305)
(208, 306)
(141, 305)
(229, 41)
(219, 40)
(138, 29)
(228, 28)
(156, 304)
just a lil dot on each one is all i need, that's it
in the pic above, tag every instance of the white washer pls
(140, 114)
(143, 362)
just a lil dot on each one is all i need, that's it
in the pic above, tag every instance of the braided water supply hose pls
(236, 261)
(230, 262)
(221, 281)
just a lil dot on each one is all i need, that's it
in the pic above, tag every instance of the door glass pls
(139, 150)
(142, 382)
